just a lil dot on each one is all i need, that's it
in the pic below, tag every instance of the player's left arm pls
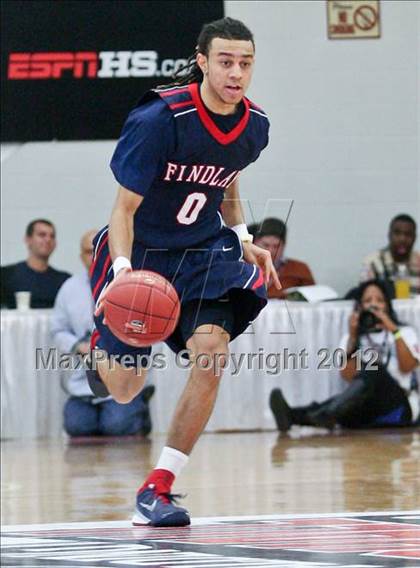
(233, 217)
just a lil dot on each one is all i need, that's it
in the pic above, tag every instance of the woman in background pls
(381, 357)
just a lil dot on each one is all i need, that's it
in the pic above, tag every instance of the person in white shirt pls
(380, 362)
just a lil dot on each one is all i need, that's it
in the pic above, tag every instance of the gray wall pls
(69, 183)
(344, 129)
(344, 144)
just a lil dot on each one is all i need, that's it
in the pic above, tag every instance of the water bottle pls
(402, 282)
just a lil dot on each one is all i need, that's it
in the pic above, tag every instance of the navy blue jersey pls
(174, 154)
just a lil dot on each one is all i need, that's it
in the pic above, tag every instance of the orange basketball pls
(142, 308)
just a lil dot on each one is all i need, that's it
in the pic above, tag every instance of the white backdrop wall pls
(344, 144)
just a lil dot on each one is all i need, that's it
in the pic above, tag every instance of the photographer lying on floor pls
(382, 355)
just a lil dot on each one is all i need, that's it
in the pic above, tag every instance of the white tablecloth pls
(32, 401)
(284, 328)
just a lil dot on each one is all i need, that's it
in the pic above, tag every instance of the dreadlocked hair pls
(225, 28)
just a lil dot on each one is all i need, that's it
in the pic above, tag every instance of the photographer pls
(382, 355)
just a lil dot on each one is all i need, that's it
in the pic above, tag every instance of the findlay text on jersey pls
(212, 176)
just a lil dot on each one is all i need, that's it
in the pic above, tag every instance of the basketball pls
(142, 308)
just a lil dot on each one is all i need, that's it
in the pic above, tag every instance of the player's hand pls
(100, 304)
(262, 258)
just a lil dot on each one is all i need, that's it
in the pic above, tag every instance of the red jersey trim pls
(210, 126)
(95, 259)
(94, 338)
(173, 106)
(172, 92)
(259, 281)
(102, 277)
(253, 105)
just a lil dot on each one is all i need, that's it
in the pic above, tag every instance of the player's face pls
(227, 72)
(401, 239)
(42, 241)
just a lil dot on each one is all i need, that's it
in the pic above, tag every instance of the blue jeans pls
(108, 418)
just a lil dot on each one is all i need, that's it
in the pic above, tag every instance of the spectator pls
(72, 323)
(34, 275)
(384, 392)
(386, 263)
(271, 235)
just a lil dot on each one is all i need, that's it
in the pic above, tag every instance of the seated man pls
(72, 322)
(271, 235)
(381, 356)
(385, 264)
(34, 275)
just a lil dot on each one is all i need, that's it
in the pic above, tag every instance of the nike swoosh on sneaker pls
(151, 507)
(226, 249)
(167, 514)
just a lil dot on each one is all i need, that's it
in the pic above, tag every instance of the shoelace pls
(167, 496)
(172, 497)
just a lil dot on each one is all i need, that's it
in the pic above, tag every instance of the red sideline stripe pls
(95, 260)
(94, 339)
(179, 105)
(173, 92)
(259, 281)
(102, 277)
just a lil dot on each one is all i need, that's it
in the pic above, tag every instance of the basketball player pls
(178, 213)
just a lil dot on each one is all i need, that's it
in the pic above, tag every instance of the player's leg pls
(108, 375)
(208, 343)
(122, 383)
(116, 369)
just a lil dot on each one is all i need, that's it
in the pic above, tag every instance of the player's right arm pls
(121, 225)
(147, 139)
(121, 236)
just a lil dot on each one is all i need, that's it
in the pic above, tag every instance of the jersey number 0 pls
(191, 207)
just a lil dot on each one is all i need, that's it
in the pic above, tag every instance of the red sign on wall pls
(353, 19)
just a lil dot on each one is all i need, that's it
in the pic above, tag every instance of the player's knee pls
(209, 344)
(209, 352)
(123, 383)
(125, 390)
(123, 395)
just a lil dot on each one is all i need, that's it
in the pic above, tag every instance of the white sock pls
(172, 460)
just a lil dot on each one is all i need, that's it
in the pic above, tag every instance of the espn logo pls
(90, 64)
(52, 65)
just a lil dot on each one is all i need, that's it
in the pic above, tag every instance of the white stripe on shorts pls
(252, 276)
(99, 242)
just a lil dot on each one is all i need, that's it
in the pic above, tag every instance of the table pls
(32, 400)
(285, 328)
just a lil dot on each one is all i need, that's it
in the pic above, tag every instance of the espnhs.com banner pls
(73, 69)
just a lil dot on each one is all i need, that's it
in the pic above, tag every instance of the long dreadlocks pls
(226, 28)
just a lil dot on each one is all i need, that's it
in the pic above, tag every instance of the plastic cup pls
(402, 289)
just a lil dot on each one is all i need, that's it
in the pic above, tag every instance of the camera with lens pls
(368, 321)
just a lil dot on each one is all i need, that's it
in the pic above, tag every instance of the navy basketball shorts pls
(215, 286)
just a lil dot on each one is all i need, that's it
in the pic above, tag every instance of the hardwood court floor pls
(308, 471)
